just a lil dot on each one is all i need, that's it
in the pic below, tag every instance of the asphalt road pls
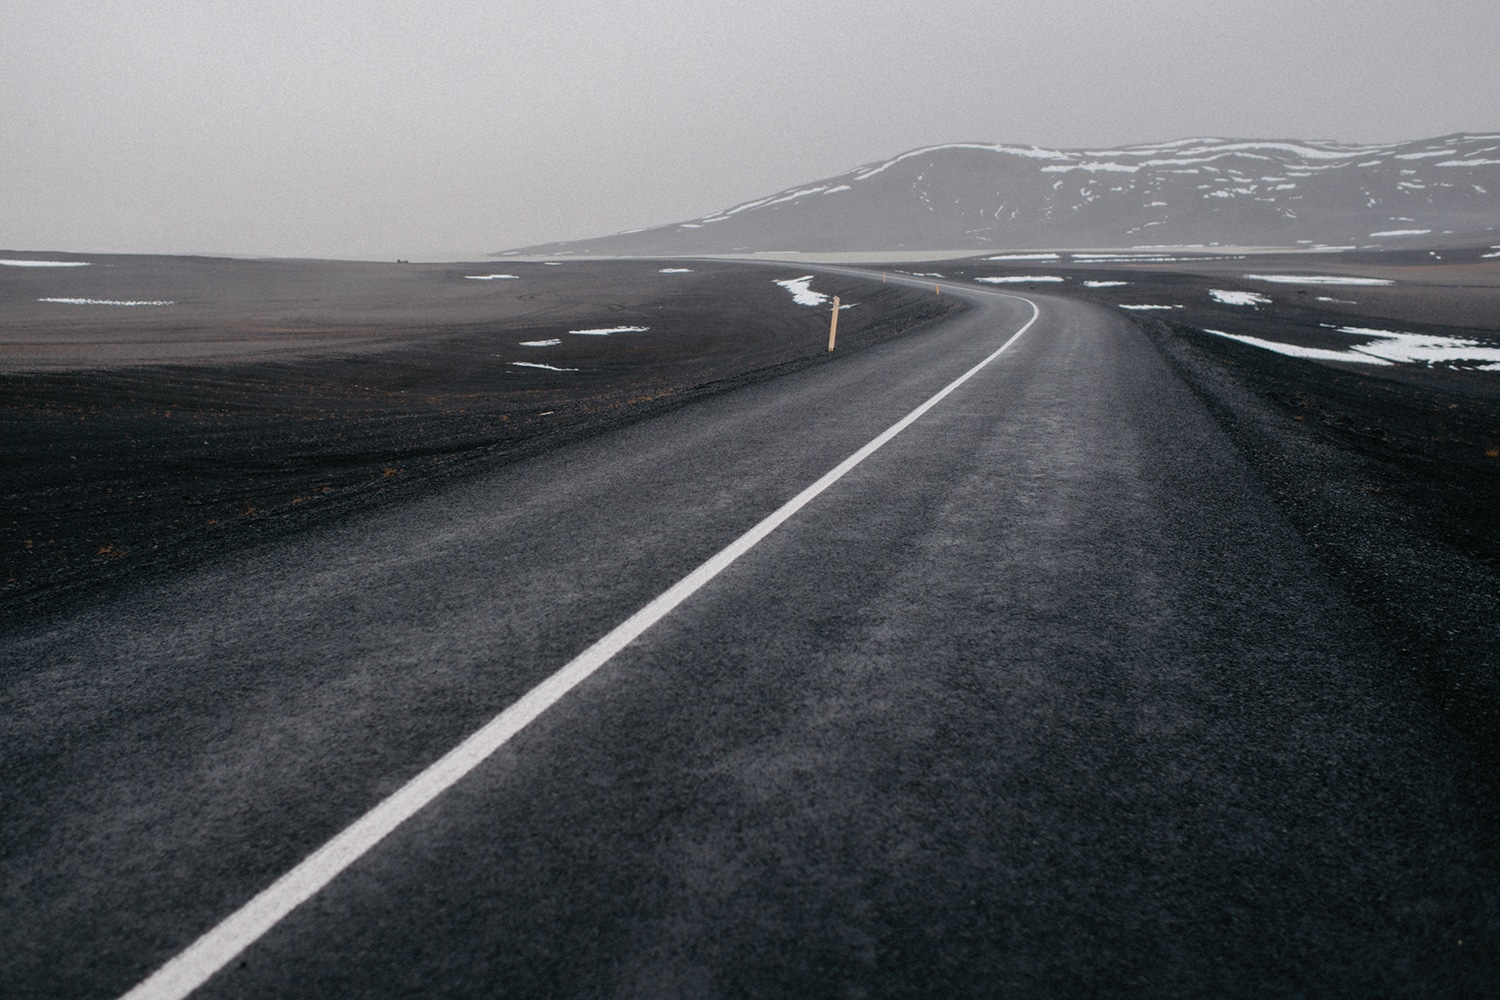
(1045, 698)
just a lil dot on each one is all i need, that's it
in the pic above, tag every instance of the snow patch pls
(1105, 284)
(775, 199)
(110, 302)
(1026, 256)
(1019, 279)
(533, 364)
(1126, 259)
(541, 343)
(1403, 232)
(1097, 257)
(1116, 168)
(44, 263)
(802, 294)
(1296, 149)
(1148, 308)
(1316, 279)
(492, 277)
(1420, 348)
(675, 270)
(1295, 351)
(605, 331)
(865, 173)
(1385, 347)
(1230, 298)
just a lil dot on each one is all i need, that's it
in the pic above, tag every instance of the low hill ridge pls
(1187, 192)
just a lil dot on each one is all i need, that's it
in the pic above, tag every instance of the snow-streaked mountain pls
(1188, 192)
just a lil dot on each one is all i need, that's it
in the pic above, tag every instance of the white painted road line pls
(221, 945)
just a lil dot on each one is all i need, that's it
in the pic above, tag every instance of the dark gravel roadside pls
(1392, 478)
(109, 476)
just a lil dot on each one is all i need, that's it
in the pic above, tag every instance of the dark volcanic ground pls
(274, 395)
(1391, 472)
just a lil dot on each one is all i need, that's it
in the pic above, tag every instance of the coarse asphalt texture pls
(1046, 698)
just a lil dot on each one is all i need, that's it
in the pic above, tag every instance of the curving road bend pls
(1044, 696)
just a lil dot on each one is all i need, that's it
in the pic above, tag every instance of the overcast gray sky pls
(386, 128)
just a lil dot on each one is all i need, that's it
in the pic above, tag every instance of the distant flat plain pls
(246, 398)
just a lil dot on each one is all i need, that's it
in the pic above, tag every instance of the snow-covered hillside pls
(1192, 191)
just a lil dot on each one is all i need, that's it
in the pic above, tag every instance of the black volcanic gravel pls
(1390, 473)
(109, 474)
(1393, 478)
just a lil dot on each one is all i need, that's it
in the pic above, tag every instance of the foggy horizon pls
(404, 130)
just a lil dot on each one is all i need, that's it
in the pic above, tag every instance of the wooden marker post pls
(833, 324)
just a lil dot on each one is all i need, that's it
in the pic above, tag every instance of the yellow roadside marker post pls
(833, 324)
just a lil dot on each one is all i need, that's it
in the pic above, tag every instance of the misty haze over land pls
(969, 196)
(443, 131)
